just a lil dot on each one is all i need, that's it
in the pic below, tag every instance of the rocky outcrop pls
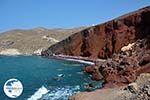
(124, 67)
(124, 41)
(103, 40)
(139, 90)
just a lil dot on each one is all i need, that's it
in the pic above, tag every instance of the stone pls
(97, 76)
(148, 92)
(133, 87)
(89, 69)
(144, 61)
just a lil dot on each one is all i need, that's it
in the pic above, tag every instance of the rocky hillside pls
(124, 67)
(33, 40)
(103, 40)
(139, 90)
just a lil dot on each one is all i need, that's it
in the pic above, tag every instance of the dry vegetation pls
(28, 41)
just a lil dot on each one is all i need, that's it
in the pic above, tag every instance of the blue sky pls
(26, 14)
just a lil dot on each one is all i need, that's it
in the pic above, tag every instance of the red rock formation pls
(123, 68)
(102, 40)
(94, 71)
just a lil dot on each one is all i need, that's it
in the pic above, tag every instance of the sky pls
(27, 14)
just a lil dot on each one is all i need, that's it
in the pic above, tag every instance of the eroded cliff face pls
(102, 40)
(124, 67)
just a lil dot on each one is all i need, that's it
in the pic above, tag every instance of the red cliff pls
(102, 40)
(106, 41)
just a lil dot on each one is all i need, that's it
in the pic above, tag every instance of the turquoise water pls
(40, 77)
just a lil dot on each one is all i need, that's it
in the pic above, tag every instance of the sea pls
(44, 78)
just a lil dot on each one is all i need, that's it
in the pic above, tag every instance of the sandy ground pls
(102, 94)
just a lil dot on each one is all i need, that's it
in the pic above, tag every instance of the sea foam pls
(39, 93)
(61, 93)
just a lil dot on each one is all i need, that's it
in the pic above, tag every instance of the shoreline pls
(74, 58)
(93, 63)
(60, 57)
(122, 70)
(79, 59)
(137, 90)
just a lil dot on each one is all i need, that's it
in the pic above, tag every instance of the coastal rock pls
(94, 71)
(138, 90)
(124, 43)
(89, 69)
(97, 76)
(123, 69)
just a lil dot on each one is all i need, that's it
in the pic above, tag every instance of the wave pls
(39, 93)
(57, 93)
(62, 93)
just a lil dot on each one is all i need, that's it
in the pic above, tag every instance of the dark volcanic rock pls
(102, 40)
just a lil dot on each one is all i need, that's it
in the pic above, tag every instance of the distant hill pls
(28, 41)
